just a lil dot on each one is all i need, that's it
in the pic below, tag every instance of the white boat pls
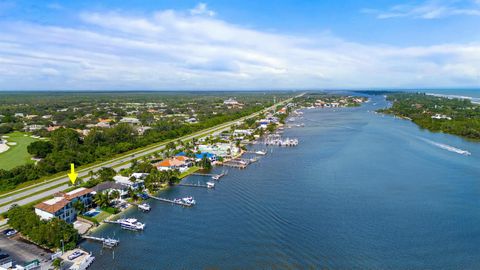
(260, 152)
(188, 200)
(216, 177)
(131, 224)
(210, 184)
(145, 207)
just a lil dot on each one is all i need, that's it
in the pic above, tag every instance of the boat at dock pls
(189, 200)
(145, 207)
(210, 184)
(260, 152)
(131, 224)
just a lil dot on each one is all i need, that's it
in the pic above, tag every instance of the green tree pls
(79, 206)
(40, 149)
(102, 199)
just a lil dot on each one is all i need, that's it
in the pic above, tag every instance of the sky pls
(239, 44)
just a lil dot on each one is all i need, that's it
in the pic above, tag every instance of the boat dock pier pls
(171, 201)
(214, 176)
(204, 174)
(112, 221)
(234, 163)
(106, 242)
(195, 185)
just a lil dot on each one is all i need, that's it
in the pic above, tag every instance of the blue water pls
(361, 191)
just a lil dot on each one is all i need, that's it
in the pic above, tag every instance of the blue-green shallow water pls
(361, 191)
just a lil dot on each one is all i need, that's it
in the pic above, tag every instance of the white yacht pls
(145, 207)
(188, 200)
(210, 184)
(260, 152)
(131, 224)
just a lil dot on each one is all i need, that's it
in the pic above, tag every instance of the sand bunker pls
(3, 147)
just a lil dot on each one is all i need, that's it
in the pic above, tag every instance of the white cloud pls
(202, 9)
(429, 10)
(177, 50)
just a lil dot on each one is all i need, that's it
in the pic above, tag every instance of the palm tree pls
(102, 199)
(132, 194)
(172, 176)
(115, 194)
(79, 206)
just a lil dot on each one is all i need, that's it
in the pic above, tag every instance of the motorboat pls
(145, 207)
(188, 200)
(210, 184)
(131, 224)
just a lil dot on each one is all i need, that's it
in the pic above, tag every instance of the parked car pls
(75, 255)
(9, 232)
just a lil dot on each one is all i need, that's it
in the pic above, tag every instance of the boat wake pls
(447, 147)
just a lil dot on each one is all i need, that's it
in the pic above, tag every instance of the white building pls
(242, 132)
(56, 207)
(34, 127)
(125, 181)
(130, 120)
(441, 116)
(62, 206)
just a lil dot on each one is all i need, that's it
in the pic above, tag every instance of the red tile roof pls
(52, 208)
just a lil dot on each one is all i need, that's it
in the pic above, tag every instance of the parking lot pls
(22, 251)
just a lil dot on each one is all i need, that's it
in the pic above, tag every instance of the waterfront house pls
(57, 207)
(80, 194)
(220, 149)
(109, 187)
(180, 163)
(61, 206)
(242, 132)
(127, 181)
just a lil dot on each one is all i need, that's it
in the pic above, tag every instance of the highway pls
(47, 188)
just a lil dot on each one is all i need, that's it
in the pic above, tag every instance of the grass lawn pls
(102, 216)
(188, 172)
(17, 154)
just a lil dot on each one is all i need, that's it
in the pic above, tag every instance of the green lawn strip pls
(84, 168)
(17, 154)
(188, 172)
(102, 216)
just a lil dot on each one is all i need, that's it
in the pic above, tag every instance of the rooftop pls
(77, 193)
(52, 205)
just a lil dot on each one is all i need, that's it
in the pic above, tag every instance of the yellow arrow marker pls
(72, 175)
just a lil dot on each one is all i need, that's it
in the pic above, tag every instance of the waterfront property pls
(127, 181)
(62, 205)
(181, 163)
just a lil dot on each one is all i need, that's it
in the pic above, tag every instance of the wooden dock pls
(106, 242)
(112, 221)
(203, 174)
(214, 176)
(171, 201)
(193, 185)
(235, 165)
